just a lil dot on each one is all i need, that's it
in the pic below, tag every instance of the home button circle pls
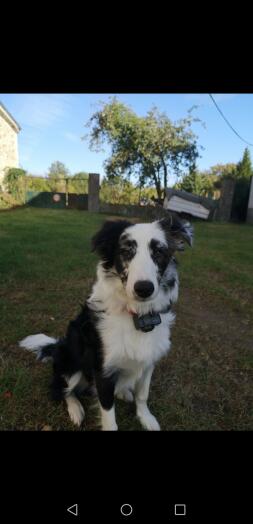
(126, 510)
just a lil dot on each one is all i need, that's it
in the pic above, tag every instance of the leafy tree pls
(57, 172)
(244, 167)
(118, 191)
(207, 183)
(14, 182)
(33, 183)
(144, 147)
(223, 170)
(78, 183)
(121, 191)
(191, 183)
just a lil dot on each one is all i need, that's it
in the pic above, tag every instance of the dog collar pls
(147, 322)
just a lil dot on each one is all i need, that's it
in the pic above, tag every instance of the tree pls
(244, 167)
(121, 191)
(58, 170)
(191, 183)
(78, 183)
(14, 182)
(223, 170)
(37, 184)
(143, 147)
(57, 173)
(118, 191)
(207, 183)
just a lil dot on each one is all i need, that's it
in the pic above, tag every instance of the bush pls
(7, 201)
(14, 183)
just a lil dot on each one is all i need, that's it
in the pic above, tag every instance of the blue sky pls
(53, 124)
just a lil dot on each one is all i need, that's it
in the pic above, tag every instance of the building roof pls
(208, 203)
(9, 118)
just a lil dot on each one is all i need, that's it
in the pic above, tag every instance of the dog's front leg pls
(148, 421)
(105, 388)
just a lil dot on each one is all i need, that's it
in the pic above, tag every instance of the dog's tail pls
(42, 345)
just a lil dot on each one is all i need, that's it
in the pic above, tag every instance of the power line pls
(231, 127)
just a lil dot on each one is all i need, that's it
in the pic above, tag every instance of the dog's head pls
(139, 254)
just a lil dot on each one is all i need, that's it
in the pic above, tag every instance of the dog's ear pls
(177, 231)
(106, 240)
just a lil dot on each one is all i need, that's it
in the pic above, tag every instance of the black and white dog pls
(124, 326)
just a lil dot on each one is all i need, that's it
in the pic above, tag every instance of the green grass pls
(47, 269)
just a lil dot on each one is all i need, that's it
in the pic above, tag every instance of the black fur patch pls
(168, 284)
(81, 350)
(160, 254)
(124, 254)
(105, 388)
(177, 232)
(106, 241)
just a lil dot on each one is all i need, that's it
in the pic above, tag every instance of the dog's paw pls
(109, 427)
(148, 421)
(75, 410)
(125, 394)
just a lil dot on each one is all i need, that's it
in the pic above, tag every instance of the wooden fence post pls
(67, 193)
(226, 200)
(93, 196)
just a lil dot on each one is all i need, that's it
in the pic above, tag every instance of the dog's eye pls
(126, 253)
(159, 251)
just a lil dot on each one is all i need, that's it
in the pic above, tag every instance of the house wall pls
(8, 146)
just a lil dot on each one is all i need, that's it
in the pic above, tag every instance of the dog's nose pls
(143, 288)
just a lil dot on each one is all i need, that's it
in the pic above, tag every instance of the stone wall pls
(8, 146)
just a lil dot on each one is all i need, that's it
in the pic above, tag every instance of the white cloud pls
(36, 113)
(41, 110)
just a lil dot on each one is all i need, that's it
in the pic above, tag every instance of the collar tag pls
(146, 322)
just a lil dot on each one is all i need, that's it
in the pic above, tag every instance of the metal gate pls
(56, 200)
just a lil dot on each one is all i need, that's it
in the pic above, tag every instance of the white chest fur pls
(127, 348)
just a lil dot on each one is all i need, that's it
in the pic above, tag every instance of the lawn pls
(46, 271)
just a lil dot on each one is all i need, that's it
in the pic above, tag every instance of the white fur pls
(142, 267)
(124, 394)
(75, 409)
(72, 382)
(36, 342)
(131, 351)
(108, 419)
(147, 420)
